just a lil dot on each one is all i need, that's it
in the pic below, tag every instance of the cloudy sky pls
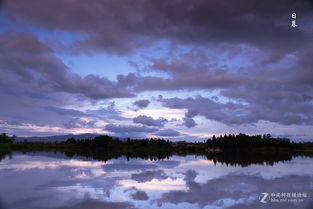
(179, 69)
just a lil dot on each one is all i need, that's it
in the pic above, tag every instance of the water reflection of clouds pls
(155, 184)
(181, 182)
(91, 204)
(149, 175)
(236, 188)
(45, 164)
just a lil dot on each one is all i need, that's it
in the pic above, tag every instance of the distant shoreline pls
(237, 149)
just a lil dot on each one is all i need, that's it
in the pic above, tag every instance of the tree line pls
(243, 141)
(4, 138)
(240, 149)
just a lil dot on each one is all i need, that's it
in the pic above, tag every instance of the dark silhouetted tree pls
(4, 138)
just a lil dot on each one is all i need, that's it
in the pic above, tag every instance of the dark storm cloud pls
(149, 121)
(27, 63)
(120, 26)
(142, 103)
(128, 129)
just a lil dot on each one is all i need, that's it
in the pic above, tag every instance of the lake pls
(53, 180)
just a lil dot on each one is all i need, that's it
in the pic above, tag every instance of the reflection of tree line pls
(4, 154)
(248, 158)
(234, 150)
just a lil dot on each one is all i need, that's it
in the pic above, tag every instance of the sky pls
(179, 69)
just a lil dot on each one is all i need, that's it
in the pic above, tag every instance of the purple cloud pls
(189, 122)
(149, 175)
(36, 68)
(62, 111)
(149, 121)
(167, 132)
(142, 103)
(128, 129)
(196, 22)
(79, 123)
(140, 195)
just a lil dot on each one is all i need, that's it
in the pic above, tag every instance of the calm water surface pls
(48, 180)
